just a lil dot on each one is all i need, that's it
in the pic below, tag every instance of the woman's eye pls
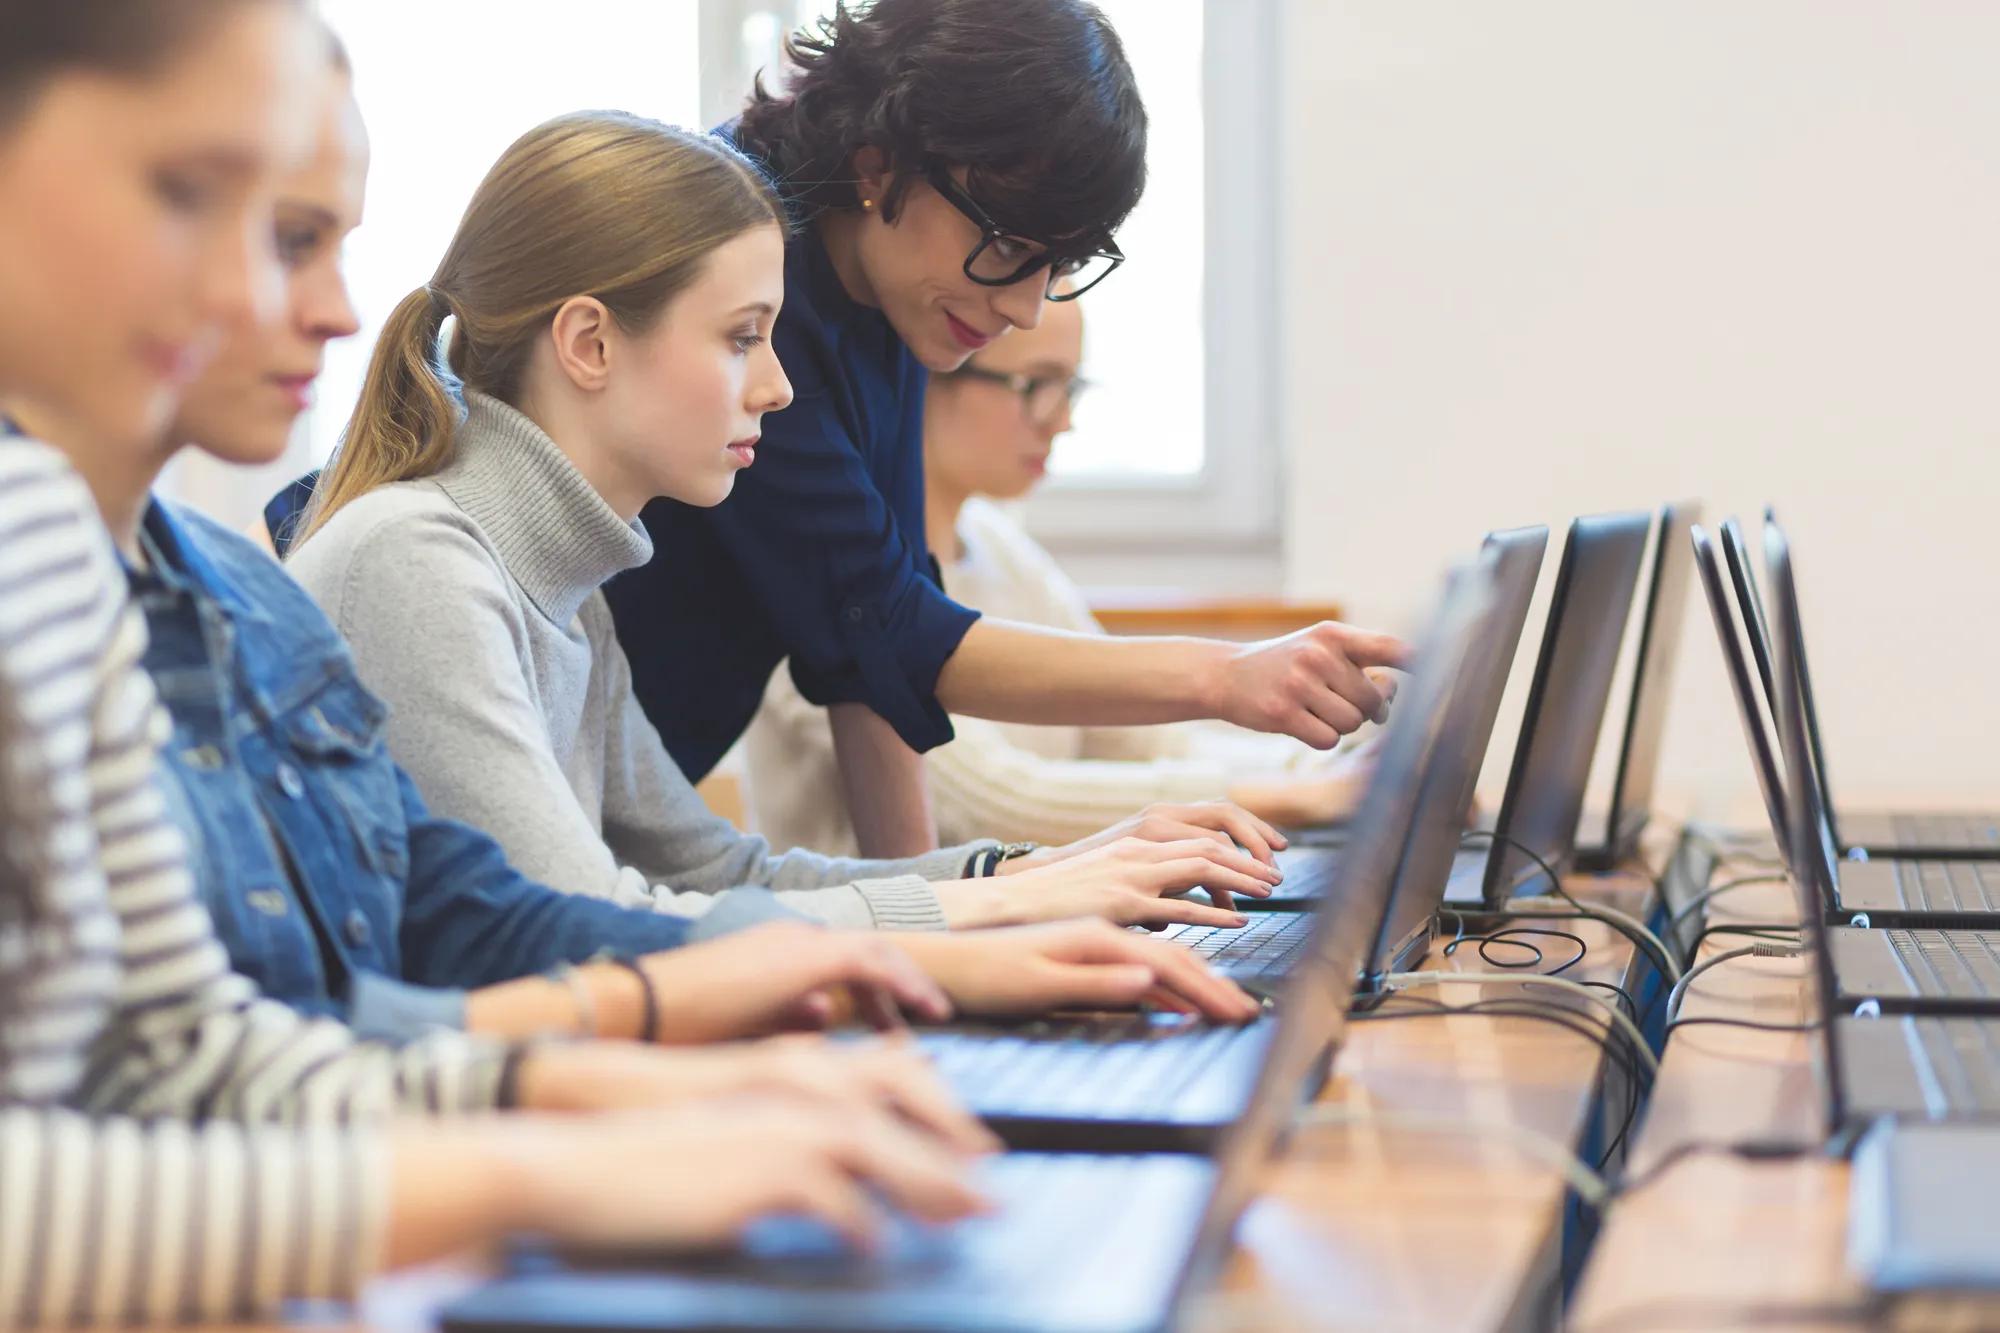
(1012, 249)
(745, 341)
(295, 245)
(183, 192)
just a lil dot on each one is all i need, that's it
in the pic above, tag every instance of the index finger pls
(1369, 648)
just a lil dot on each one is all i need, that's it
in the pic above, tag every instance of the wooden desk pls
(1225, 618)
(1705, 1244)
(1383, 1228)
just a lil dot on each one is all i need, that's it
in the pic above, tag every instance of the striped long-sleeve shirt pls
(171, 1144)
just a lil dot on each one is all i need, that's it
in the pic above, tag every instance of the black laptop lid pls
(1812, 865)
(1593, 594)
(1652, 678)
(1749, 708)
(1514, 561)
(1319, 992)
(1742, 571)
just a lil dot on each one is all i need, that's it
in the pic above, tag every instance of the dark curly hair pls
(1034, 98)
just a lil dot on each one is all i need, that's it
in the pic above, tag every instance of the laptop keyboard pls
(1949, 886)
(1968, 831)
(1268, 946)
(1963, 1057)
(1095, 1070)
(1955, 964)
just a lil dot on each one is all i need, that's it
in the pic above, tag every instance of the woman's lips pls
(298, 388)
(745, 451)
(968, 337)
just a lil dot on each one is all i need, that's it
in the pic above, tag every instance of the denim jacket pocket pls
(337, 734)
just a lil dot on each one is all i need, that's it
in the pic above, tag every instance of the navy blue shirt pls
(819, 555)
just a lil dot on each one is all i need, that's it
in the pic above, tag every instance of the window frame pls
(1232, 503)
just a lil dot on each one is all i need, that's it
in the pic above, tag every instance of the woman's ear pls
(578, 334)
(871, 178)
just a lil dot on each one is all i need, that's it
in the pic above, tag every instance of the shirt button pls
(289, 781)
(204, 757)
(854, 615)
(268, 901)
(355, 928)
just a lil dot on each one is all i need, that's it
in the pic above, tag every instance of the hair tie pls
(440, 303)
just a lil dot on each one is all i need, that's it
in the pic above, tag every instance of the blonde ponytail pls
(402, 423)
(599, 203)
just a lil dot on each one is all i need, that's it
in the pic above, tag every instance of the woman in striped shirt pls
(146, 137)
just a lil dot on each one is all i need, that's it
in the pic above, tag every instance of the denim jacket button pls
(289, 781)
(355, 928)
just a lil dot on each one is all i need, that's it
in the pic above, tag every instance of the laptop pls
(1924, 1066)
(1514, 559)
(1660, 623)
(1919, 1224)
(1595, 584)
(1167, 1082)
(1878, 892)
(1859, 833)
(1088, 1243)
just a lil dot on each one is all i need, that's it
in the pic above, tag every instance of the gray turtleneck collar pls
(560, 541)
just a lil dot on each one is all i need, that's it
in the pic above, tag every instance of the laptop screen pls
(1749, 705)
(1812, 867)
(1515, 557)
(1652, 677)
(1592, 600)
(1313, 1012)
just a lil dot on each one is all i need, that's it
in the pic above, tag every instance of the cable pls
(1626, 924)
(1761, 949)
(1638, 1076)
(1398, 981)
(1702, 899)
(1753, 1024)
(1591, 1187)
(1509, 937)
(1748, 1150)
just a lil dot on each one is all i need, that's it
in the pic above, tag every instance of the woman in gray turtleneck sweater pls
(463, 559)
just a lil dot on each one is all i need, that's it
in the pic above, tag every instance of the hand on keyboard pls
(1072, 965)
(1222, 822)
(1131, 882)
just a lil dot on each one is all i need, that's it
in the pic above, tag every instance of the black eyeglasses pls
(1001, 259)
(1043, 397)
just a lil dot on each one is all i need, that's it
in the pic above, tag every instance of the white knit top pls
(1000, 779)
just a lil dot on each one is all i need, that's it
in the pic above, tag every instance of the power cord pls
(1591, 1187)
(1761, 949)
(1701, 900)
(1513, 938)
(1612, 1041)
(1754, 1025)
(1398, 981)
(1748, 1150)
(1623, 922)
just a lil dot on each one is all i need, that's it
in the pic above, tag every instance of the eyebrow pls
(227, 159)
(754, 308)
(312, 212)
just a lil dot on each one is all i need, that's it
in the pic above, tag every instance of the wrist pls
(1208, 678)
(971, 904)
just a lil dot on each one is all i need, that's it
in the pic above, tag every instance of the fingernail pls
(1242, 920)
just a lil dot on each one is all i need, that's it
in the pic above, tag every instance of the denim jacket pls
(329, 882)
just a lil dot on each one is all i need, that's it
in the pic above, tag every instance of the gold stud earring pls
(867, 204)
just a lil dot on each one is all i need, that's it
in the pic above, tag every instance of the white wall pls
(1553, 256)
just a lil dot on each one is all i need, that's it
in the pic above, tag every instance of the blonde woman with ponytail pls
(607, 302)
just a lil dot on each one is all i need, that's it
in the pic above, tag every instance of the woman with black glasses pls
(947, 163)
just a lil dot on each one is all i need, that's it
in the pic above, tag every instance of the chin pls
(251, 449)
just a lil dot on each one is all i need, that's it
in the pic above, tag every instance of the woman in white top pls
(989, 428)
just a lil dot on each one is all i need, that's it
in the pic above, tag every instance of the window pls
(445, 88)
